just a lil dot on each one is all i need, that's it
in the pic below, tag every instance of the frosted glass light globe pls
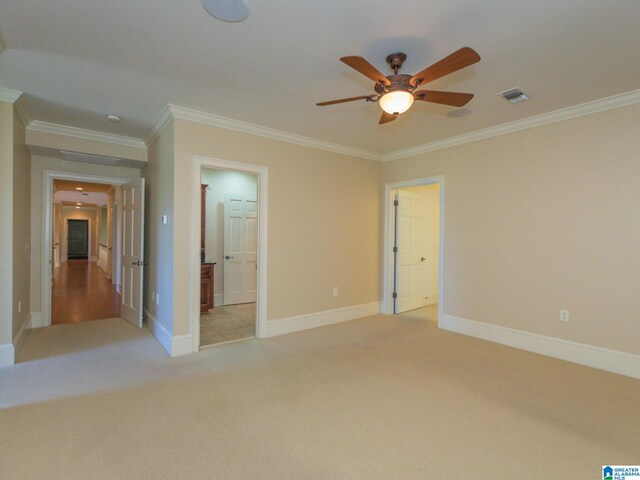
(396, 102)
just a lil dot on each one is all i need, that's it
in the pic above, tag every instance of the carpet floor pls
(375, 398)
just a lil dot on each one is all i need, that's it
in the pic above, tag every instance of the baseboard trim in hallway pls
(175, 346)
(597, 357)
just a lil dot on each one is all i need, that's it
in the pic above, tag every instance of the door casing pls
(390, 190)
(47, 238)
(262, 173)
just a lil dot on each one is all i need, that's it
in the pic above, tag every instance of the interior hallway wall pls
(222, 182)
(21, 228)
(6, 234)
(540, 220)
(159, 243)
(14, 237)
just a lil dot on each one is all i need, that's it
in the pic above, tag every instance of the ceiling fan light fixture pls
(396, 102)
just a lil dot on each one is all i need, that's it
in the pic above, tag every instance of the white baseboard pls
(37, 321)
(597, 357)
(7, 355)
(175, 346)
(431, 299)
(21, 337)
(283, 326)
(218, 299)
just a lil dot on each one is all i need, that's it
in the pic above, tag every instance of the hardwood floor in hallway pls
(81, 292)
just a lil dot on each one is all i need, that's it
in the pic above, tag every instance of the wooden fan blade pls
(343, 100)
(387, 117)
(365, 68)
(454, 99)
(457, 60)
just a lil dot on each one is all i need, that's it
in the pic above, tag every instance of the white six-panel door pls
(240, 249)
(410, 261)
(132, 251)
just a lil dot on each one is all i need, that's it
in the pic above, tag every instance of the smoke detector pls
(514, 95)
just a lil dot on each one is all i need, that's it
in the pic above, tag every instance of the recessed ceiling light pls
(113, 118)
(79, 189)
(227, 10)
(78, 203)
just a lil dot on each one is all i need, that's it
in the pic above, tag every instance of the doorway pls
(413, 247)
(82, 266)
(77, 239)
(230, 219)
(229, 247)
(81, 289)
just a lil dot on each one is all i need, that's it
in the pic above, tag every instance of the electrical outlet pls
(564, 315)
(335, 291)
(157, 299)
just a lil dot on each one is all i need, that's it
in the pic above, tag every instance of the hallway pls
(81, 292)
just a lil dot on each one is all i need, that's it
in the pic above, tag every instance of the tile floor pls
(227, 323)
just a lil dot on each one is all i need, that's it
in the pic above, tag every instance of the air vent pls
(514, 95)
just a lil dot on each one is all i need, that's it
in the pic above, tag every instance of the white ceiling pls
(81, 60)
(97, 198)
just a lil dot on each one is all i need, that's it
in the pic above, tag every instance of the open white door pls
(410, 230)
(240, 249)
(132, 251)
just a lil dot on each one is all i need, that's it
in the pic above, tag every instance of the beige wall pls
(21, 226)
(159, 247)
(544, 219)
(323, 221)
(222, 182)
(38, 167)
(6, 217)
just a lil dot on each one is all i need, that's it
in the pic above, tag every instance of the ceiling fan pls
(397, 92)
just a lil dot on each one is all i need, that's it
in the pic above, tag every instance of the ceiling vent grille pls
(514, 95)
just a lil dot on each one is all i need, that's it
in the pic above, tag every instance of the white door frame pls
(261, 305)
(47, 204)
(389, 230)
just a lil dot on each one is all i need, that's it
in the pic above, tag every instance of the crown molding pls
(159, 125)
(244, 127)
(38, 126)
(615, 101)
(23, 110)
(9, 95)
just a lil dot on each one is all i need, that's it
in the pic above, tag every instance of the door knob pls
(228, 257)
(422, 259)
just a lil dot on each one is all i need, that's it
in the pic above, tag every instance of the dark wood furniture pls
(206, 269)
(206, 287)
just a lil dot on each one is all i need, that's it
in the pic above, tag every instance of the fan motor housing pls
(398, 82)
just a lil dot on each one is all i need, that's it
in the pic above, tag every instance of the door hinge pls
(395, 203)
(395, 295)
(395, 249)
